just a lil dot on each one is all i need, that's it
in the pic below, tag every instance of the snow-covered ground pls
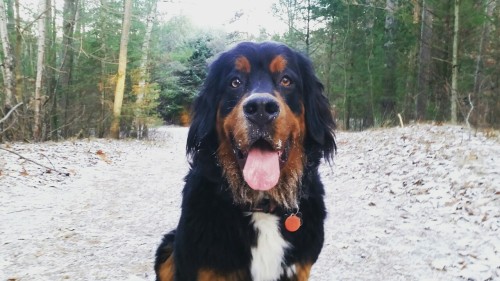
(414, 203)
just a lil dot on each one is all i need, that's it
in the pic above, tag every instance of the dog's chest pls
(268, 255)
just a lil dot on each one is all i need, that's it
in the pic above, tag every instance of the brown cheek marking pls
(290, 125)
(303, 271)
(288, 122)
(210, 275)
(242, 64)
(235, 125)
(224, 152)
(166, 272)
(278, 64)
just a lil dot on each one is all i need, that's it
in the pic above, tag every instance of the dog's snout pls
(261, 109)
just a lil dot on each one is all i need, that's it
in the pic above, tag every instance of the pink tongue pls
(262, 169)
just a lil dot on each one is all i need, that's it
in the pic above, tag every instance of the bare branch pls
(10, 112)
(401, 120)
(34, 162)
(469, 113)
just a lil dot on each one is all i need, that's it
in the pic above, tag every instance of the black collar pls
(265, 206)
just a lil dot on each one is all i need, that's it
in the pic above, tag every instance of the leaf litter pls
(414, 203)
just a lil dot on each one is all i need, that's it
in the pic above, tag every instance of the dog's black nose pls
(261, 109)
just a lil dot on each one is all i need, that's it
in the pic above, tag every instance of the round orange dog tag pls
(293, 223)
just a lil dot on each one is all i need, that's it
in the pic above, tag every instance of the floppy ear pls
(202, 138)
(202, 125)
(319, 119)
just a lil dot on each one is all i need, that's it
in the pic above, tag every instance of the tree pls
(481, 75)
(69, 21)
(50, 73)
(424, 62)
(18, 55)
(375, 58)
(103, 42)
(298, 14)
(388, 100)
(454, 65)
(8, 61)
(39, 70)
(140, 124)
(122, 67)
(181, 81)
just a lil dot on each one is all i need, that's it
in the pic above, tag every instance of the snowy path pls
(419, 203)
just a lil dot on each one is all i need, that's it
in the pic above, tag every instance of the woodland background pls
(66, 63)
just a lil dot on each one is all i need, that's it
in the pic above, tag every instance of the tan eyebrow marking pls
(278, 64)
(242, 64)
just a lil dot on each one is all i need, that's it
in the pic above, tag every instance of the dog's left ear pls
(319, 119)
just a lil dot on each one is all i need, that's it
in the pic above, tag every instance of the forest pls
(114, 68)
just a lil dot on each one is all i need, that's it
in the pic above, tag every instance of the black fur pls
(213, 232)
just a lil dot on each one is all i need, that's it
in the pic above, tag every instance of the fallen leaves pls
(48, 164)
(103, 156)
(445, 185)
(24, 173)
(417, 203)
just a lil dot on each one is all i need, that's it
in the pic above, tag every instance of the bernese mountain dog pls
(252, 206)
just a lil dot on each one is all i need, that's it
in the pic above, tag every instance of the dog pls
(252, 206)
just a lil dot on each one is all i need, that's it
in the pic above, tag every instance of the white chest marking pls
(268, 255)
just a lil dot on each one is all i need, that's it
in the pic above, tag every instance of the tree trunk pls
(424, 62)
(101, 130)
(141, 126)
(308, 28)
(388, 102)
(122, 67)
(489, 8)
(347, 73)
(50, 51)
(69, 17)
(370, 116)
(18, 55)
(329, 64)
(39, 71)
(8, 62)
(11, 25)
(291, 7)
(454, 75)
(416, 11)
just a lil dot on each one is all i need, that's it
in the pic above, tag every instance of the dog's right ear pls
(202, 125)
(202, 135)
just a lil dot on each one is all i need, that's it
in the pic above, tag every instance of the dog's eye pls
(286, 81)
(235, 83)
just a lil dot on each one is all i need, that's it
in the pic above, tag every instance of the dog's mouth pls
(261, 162)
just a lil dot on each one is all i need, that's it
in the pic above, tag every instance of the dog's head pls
(261, 121)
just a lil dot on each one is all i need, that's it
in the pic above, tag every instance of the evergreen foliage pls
(377, 59)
